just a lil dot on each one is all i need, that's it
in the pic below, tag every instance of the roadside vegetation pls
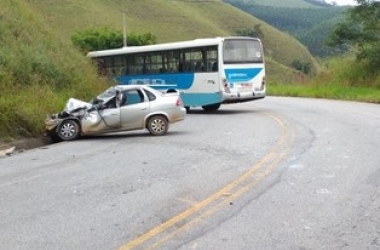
(38, 72)
(355, 76)
(42, 61)
(342, 78)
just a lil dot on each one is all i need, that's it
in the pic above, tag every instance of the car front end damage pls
(51, 123)
(65, 125)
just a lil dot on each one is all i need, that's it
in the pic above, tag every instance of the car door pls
(134, 110)
(111, 118)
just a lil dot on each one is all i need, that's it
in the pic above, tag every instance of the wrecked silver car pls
(119, 108)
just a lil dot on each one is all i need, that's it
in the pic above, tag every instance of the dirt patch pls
(25, 144)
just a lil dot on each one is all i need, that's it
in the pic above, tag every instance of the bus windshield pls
(242, 51)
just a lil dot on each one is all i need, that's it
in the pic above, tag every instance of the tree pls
(361, 30)
(255, 32)
(106, 38)
(303, 67)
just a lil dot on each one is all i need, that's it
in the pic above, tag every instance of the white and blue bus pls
(206, 72)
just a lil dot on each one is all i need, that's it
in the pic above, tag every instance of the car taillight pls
(179, 102)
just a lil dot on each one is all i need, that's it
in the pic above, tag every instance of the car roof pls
(137, 86)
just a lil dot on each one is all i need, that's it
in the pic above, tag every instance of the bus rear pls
(242, 70)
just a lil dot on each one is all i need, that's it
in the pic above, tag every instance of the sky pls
(343, 2)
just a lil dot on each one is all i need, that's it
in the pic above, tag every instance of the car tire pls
(158, 125)
(68, 130)
(212, 107)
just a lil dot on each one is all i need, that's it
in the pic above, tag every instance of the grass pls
(38, 72)
(361, 94)
(342, 78)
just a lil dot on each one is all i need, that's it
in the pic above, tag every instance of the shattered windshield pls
(105, 96)
(108, 93)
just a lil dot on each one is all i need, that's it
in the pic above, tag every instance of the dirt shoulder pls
(24, 144)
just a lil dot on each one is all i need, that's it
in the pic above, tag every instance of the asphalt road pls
(279, 173)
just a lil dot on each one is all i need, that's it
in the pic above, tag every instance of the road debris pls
(7, 152)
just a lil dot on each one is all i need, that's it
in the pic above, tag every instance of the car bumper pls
(179, 115)
(51, 125)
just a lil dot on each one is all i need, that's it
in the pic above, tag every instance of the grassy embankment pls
(342, 78)
(38, 72)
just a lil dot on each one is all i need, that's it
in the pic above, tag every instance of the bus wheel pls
(212, 107)
(187, 109)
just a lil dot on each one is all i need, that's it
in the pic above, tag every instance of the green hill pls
(40, 68)
(310, 24)
(282, 3)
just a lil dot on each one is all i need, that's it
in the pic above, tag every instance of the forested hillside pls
(310, 25)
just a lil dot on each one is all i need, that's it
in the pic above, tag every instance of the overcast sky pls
(343, 2)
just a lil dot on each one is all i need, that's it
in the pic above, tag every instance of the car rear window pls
(150, 95)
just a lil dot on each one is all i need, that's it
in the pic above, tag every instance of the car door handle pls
(144, 108)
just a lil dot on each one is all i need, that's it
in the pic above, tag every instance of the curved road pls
(280, 173)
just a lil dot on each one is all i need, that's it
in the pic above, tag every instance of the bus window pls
(211, 58)
(193, 57)
(171, 62)
(102, 70)
(242, 51)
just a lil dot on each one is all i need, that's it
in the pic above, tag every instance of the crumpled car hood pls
(73, 104)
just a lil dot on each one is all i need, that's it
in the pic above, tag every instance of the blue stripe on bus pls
(200, 99)
(160, 81)
(242, 75)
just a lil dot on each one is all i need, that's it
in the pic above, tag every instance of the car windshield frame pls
(110, 92)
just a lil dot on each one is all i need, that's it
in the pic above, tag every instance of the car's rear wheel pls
(158, 125)
(68, 130)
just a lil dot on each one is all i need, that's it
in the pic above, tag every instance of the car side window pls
(133, 97)
(150, 95)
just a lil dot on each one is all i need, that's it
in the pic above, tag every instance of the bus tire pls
(187, 109)
(211, 107)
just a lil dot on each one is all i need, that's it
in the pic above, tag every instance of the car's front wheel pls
(68, 130)
(158, 125)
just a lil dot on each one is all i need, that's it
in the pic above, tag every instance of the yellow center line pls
(224, 202)
(197, 207)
